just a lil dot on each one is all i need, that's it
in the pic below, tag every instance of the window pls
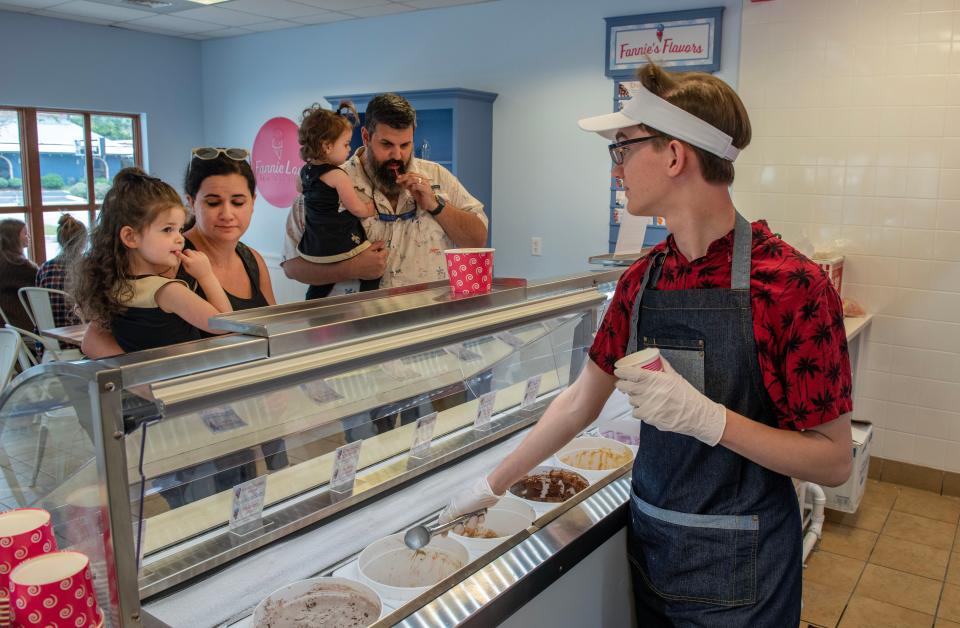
(54, 162)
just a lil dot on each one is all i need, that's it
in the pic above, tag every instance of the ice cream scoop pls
(419, 536)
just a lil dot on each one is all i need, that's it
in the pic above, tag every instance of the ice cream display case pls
(200, 478)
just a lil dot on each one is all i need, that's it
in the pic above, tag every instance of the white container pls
(648, 359)
(399, 574)
(507, 518)
(320, 602)
(592, 456)
(541, 507)
(624, 429)
(847, 496)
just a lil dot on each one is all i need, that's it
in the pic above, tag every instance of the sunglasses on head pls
(212, 152)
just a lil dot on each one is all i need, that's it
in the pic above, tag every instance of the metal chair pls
(36, 302)
(10, 347)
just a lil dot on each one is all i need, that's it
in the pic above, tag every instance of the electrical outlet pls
(536, 245)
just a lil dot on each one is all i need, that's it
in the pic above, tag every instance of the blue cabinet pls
(457, 126)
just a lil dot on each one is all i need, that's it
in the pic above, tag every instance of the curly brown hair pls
(101, 278)
(708, 98)
(322, 126)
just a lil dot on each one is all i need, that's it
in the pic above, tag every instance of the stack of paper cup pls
(24, 533)
(470, 270)
(648, 359)
(54, 589)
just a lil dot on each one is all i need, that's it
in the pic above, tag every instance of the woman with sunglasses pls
(220, 188)
(755, 387)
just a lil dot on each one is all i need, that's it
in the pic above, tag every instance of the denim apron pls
(714, 539)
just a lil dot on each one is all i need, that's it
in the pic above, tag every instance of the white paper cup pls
(399, 574)
(648, 359)
(320, 602)
(507, 518)
(592, 456)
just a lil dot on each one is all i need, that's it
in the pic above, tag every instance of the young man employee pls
(758, 386)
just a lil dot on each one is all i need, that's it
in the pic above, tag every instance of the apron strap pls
(739, 280)
(656, 262)
(742, 245)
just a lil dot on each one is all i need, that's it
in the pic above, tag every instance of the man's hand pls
(371, 263)
(668, 402)
(420, 187)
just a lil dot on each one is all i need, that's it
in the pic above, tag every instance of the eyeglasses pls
(618, 150)
(212, 152)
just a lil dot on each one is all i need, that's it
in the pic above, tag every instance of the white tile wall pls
(855, 106)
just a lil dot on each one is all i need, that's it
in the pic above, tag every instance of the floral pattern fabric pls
(797, 322)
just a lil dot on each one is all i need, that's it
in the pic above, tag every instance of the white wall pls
(56, 63)
(543, 57)
(856, 117)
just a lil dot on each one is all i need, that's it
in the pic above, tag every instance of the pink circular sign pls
(276, 161)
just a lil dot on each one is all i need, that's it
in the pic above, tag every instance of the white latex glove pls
(478, 496)
(668, 402)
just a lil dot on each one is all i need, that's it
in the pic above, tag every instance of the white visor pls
(656, 113)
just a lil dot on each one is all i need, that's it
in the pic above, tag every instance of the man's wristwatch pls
(440, 205)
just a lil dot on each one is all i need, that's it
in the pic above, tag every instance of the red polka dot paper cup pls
(648, 359)
(24, 533)
(54, 589)
(470, 270)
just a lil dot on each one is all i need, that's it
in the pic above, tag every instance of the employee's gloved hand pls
(478, 496)
(667, 401)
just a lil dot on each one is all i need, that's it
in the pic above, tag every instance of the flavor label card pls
(511, 339)
(423, 435)
(463, 354)
(345, 467)
(221, 419)
(485, 410)
(531, 391)
(248, 502)
(320, 392)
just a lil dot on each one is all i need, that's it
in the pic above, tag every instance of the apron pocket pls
(696, 558)
(685, 356)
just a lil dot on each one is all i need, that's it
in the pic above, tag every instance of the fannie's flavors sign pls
(276, 161)
(686, 40)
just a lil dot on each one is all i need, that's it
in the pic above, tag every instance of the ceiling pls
(194, 20)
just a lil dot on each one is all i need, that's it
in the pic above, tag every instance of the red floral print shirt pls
(797, 322)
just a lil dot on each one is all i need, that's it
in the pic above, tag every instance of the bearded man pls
(421, 209)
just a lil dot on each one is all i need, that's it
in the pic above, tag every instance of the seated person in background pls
(126, 281)
(331, 234)
(16, 271)
(53, 273)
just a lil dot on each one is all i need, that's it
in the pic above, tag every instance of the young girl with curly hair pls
(125, 282)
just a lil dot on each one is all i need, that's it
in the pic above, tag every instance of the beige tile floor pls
(895, 562)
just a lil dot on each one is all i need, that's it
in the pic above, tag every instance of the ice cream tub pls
(546, 487)
(593, 457)
(329, 601)
(502, 521)
(399, 574)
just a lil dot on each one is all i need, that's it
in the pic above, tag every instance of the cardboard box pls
(847, 497)
(833, 266)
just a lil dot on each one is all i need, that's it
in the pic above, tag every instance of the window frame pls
(34, 207)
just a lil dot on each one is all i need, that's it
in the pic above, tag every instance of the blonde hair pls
(711, 100)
